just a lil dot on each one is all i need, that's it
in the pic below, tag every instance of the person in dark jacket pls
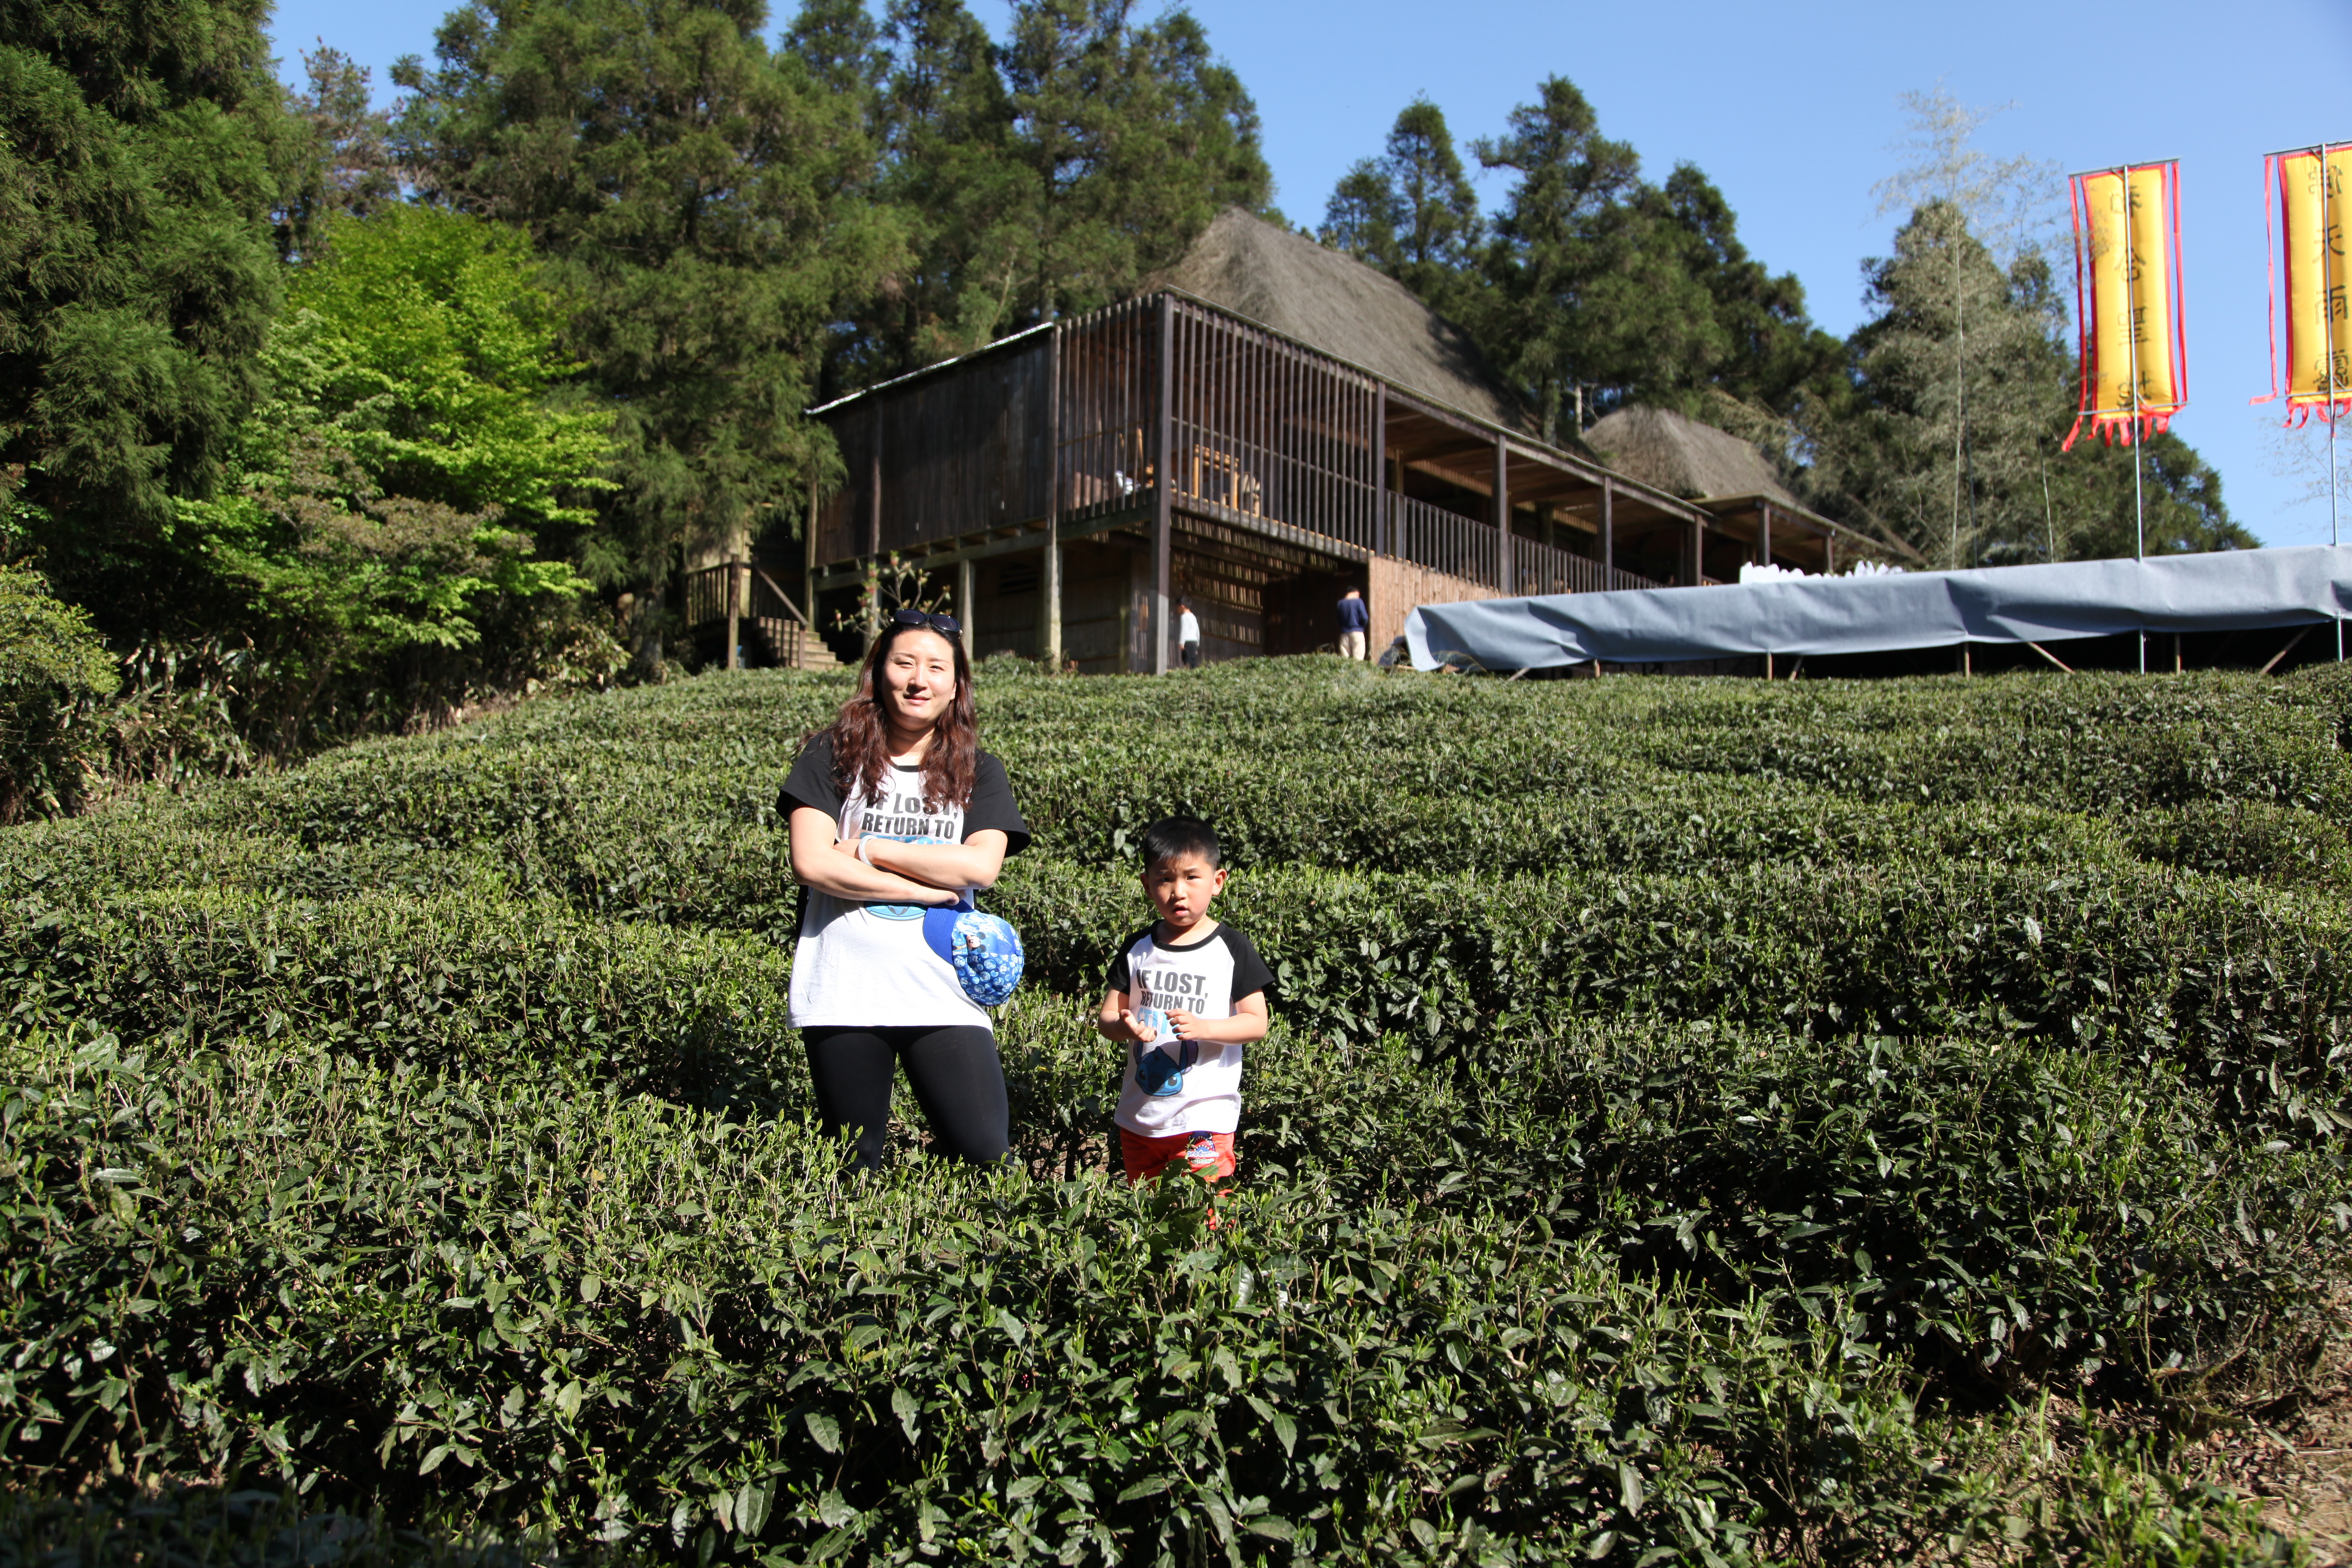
(1355, 624)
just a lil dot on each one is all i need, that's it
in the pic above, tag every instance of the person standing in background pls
(1188, 635)
(1355, 625)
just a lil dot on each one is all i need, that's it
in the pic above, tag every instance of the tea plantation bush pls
(1705, 1121)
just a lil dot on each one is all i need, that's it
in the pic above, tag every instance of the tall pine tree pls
(1131, 139)
(1962, 385)
(704, 200)
(950, 172)
(1412, 211)
(1773, 358)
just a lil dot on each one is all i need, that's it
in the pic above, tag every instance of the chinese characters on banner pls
(2127, 298)
(2311, 187)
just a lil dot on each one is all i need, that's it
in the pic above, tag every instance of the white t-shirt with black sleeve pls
(1205, 977)
(867, 965)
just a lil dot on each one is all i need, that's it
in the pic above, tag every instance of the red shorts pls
(1208, 1155)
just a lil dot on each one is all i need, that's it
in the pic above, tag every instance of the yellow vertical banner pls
(2152, 274)
(2313, 187)
(2128, 292)
(2107, 368)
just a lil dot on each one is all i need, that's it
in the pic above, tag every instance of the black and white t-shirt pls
(867, 965)
(1205, 977)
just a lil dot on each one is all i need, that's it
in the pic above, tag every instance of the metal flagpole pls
(2328, 314)
(2131, 352)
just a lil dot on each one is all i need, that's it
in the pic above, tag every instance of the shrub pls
(50, 656)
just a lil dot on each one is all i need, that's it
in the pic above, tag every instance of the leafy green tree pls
(842, 48)
(143, 151)
(1943, 452)
(1962, 385)
(1412, 211)
(703, 200)
(1594, 296)
(398, 483)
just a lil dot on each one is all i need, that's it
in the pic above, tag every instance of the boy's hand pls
(1135, 1031)
(1188, 1025)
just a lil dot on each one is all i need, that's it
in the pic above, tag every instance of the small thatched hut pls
(1683, 456)
(1265, 424)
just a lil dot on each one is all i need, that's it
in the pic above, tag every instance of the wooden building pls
(1072, 482)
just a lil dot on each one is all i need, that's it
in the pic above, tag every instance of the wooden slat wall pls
(1261, 428)
(967, 451)
(963, 451)
(841, 517)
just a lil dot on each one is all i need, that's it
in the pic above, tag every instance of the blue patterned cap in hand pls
(983, 949)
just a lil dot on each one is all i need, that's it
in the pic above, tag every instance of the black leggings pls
(954, 1072)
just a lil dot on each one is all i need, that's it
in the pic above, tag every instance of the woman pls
(894, 808)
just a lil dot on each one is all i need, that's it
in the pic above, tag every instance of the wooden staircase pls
(769, 627)
(790, 644)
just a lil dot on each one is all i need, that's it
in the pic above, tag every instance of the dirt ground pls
(2298, 1461)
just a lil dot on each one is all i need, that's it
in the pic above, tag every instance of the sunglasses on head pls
(947, 625)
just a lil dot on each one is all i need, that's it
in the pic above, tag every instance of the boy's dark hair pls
(1173, 836)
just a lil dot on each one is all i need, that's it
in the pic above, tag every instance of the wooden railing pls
(1540, 568)
(744, 591)
(757, 595)
(1441, 540)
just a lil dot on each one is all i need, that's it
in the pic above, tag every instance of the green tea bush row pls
(2250, 990)
(609, 1321)
(1329, 765)
(488, 986)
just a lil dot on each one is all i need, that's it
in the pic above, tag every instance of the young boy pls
(1183, 1097)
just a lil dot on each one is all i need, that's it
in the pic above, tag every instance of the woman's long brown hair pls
(861, 736)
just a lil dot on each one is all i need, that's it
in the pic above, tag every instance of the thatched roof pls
(1337, 304)
(1679, 454)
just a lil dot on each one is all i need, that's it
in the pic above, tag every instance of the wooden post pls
(873, 486)
(1395, 505)
(1381, 469)
(1503, 578)
(2175, 653)
(1164, 494)
(1049, 573)
(734, 615)
(1764, 533)
(1698, 551)
(873, 615)
(802, 636)
(1828, 554)
(966, 607)
(1608, 538)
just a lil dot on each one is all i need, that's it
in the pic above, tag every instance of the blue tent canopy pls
(2234, 590)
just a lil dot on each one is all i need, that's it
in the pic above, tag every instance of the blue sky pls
(1792, 110)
